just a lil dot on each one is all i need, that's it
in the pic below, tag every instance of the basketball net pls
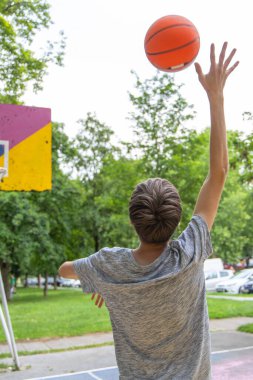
(3, 172)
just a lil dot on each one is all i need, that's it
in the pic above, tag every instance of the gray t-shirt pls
(158, 311)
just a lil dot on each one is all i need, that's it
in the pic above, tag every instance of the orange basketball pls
(172, 43)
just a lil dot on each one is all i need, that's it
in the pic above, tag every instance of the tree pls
(93, 148)
(228, 235)
(159, 114)
(119, 177)
(93, 144)
(21, 228)
(20, 21)
(61, 206)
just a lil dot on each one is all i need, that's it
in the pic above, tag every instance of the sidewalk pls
(228, 324)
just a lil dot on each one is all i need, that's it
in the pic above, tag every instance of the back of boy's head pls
(155, 210)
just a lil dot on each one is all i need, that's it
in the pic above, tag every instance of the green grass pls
(69, 312)
(222, 308)
(62, 313)
(246, 328)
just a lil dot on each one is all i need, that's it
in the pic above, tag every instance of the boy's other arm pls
(66, 270)
(213, 83)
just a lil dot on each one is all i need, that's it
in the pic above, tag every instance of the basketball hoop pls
(3, 173)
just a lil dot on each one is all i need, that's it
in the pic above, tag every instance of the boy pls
(156, 293)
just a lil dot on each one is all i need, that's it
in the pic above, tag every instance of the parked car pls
(77, 284)
(59, 280)
(33, 281)
(248, 286)
(235, 283)
(212, 278)
(68, 282)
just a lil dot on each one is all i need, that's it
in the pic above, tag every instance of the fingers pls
(212, 55)
(229, 71)
(199, 70)
(222, 54)
(223, 66)
(229, 59)
(99, 301)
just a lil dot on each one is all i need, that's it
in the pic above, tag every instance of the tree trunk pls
(39, 280)
(46, 285)
(55, 282)
(26, 281)
(5, 269)
(96, 242)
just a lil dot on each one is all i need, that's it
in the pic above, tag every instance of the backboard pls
(25, 148)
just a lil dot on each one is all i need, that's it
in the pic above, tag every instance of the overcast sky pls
(105, 42)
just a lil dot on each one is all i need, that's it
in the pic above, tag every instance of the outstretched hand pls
(215, 80)
(99, 301)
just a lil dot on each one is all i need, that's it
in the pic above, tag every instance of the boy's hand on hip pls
(99, 301)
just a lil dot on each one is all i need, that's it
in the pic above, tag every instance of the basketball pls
(172, 43)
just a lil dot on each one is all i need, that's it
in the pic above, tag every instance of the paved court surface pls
(226, 365)
(110, 373)
(232, 354)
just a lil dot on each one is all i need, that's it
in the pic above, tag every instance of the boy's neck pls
(146, 253)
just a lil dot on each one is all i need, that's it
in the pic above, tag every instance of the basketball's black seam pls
(174, 49)
(168, 27)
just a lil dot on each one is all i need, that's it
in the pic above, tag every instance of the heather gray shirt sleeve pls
(195, 241)
(86, 271)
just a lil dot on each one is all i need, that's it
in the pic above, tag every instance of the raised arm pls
(213, 83)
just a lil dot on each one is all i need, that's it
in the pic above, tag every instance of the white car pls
(68, 282)
(77, 284)
(235, 283)
(213, 277)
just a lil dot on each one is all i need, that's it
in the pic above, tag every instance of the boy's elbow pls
(220, 175)
(62, 270)
(225, 169)
(66, 270)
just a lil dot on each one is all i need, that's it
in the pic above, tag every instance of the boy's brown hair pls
(155, 210)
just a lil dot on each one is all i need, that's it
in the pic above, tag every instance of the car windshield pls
(242, 274)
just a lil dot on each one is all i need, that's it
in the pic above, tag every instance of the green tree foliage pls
(61, 206)
(119, 177)
(93, 147)
(93, 144)
(228, 234)
(20, 21)
(22, 230)
(158, 121)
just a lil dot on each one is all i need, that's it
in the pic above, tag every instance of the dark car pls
(51, 280)
(248, 287)
(59, 281)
